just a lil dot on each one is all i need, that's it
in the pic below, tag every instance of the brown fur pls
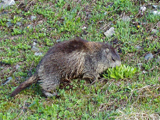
(71, 59)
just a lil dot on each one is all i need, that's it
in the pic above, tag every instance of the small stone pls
(140, 64)
(138, 47)
(148, 56)
(19, 23)
(126, 18)
(9, 24)
(143, 8)
(38, 54)
(144, 71)
(83, 28)
(105, 13)
(156, 13)
(33, 18)
(3, 13)
(8, 80)
(154, 31)
(17, 67)
(154, 6)
(34, 48)
(109, 32)
(6, 3)
(34, 44)
(58, 41)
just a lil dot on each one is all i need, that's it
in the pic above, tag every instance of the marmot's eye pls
(113, 59)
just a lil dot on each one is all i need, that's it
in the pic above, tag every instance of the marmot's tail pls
(25, 84)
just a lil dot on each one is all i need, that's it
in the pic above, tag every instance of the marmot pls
(76, 58)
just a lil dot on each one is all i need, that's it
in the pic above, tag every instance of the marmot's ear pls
(107, 50)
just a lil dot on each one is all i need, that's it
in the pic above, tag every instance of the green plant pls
(120, 72)
(15, 19)
(17, 31)
(3, 21)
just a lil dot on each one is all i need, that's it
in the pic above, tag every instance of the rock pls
(148, 56)
(154, 6)
(156, 12)
(6, 3)
(34, 48)
(34, 44)
(83, 28)
(58, 41)
(3, 13)
(144, 72)
(109, 32)
(105, 13)
(38, 54)
(33, 18)
(8, 80)
(140, 64)
(19, 23)
(138, 47)
(155, 31)
(126, 18)
(143, 8)
(17, 67)
(9, 24)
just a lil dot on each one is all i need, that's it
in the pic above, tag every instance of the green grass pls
(135, 97)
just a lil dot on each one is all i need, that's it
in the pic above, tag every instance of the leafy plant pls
(120, 72)
(15, 19)
(16, 31)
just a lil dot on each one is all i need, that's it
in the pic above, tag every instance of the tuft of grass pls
(120, 72)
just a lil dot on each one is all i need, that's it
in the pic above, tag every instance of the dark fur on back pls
(69, 46)
(76, 58)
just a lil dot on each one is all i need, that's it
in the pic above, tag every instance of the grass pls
(136, 97)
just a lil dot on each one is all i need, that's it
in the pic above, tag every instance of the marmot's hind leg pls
(49, 86)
